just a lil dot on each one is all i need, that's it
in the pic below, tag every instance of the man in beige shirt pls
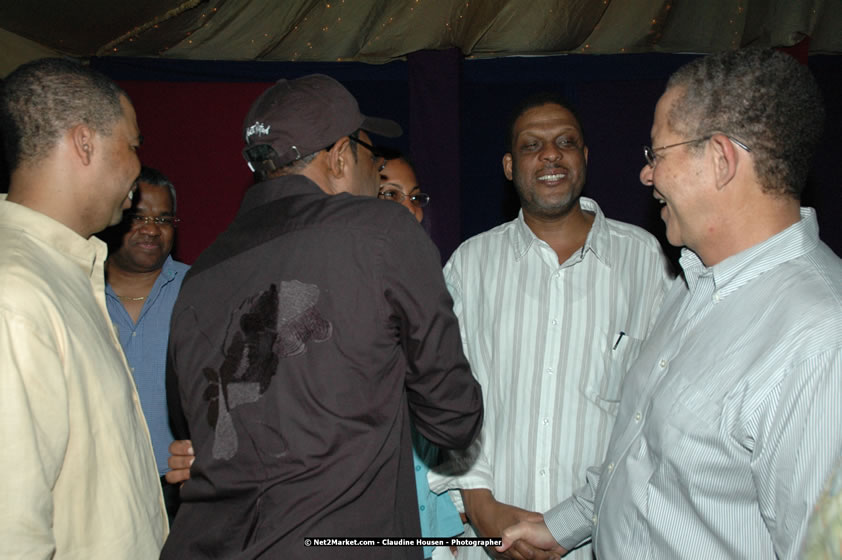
(77, 473)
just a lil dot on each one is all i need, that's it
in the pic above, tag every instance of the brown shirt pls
(303, 341)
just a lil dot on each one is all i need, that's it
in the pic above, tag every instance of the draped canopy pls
(378, 31)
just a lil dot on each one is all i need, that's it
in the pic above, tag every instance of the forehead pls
(398, 171)
(155, 197)
(549, 117)
(660, 123)
(129, 118)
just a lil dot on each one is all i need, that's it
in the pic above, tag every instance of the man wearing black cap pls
(303, 341)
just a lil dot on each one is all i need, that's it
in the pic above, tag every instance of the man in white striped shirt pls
(552, 309)
(730, 419)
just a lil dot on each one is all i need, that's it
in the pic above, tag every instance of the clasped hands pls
(524, 534)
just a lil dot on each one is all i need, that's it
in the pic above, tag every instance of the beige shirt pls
(77, 473)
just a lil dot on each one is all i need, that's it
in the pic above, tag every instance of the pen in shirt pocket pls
(619, 338)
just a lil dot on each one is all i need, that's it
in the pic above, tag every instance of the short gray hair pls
(763, 98)
(155, 177)
(43, 99)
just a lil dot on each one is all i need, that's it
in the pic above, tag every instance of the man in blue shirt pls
(143, 281)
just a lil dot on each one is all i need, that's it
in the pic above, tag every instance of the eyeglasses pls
(136, 220)
(375, 153)
(651, 155)
(419, 200)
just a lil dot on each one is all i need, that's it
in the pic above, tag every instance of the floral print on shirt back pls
(264, 329)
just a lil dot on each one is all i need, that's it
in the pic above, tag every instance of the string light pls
(326, 20)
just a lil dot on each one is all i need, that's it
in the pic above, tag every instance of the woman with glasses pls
(399, 184)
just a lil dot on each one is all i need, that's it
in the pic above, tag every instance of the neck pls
(565, 234)
(130, 285)
(52, 187)
(752, 225)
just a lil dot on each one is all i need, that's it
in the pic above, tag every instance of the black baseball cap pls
(304, 115)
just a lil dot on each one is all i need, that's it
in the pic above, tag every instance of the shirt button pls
(132, 370)
(542, 472)
(417, 468)
(663, 364)
(637, 417)
(554, 322)
(716, 297)
(550, 370)
(423, 508)
(610, 467)
(594, 519)
(134, 333)
(546, 421)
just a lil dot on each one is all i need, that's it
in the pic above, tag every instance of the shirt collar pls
(598, 241)
(735, 271)
(87, 253)
(168, 270)
(273, 189)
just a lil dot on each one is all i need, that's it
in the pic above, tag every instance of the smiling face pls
(146, 246)
(548, 161)
(680, 183)
(398, 182)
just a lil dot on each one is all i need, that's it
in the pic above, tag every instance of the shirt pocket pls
(611, 356)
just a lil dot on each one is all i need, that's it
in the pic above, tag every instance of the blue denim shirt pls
(145, 345)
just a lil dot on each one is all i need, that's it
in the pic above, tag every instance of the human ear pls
(82, 141)
(507, 166)
(337, 157)
(725, 158)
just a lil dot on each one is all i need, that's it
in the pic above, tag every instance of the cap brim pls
(383, 127)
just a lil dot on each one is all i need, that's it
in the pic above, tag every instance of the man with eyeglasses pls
(304, 342)
(553, 307)
(730, 419)
(142, 283)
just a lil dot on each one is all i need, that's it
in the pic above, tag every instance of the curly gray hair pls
(762, 97)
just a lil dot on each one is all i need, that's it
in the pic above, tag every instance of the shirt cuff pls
(440, 480)
(569, 524)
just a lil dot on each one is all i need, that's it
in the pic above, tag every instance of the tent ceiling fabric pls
(378, 31)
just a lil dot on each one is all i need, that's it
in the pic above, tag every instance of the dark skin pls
(134, 267)
(490, 517)
(547, 165)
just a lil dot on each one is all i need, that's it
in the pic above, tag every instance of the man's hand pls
(490, 517)
(533, 531)
(181, 457)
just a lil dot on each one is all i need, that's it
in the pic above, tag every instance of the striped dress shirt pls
(731, 418)
(550, 345)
